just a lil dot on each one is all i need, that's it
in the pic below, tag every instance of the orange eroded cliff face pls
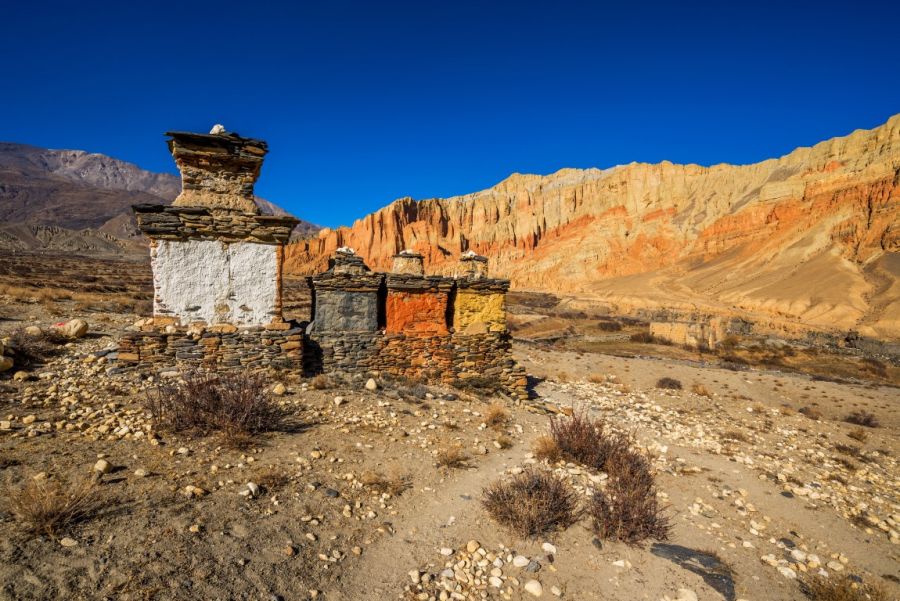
(806, 240)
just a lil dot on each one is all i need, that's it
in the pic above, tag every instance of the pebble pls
(472, 546)
(102, 466)
(520, 561)
(279, 389)
(68, 542)
(549, 549)
(371, 384)
(141, 473)
(534, 587)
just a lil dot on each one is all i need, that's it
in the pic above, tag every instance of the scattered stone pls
(472, 546)
(520, 561)
(371, 384)
(74, 329)
(102, 466)
(534, 587)
(68, 542)
(29, 419)
(279, 389)
(549, 549)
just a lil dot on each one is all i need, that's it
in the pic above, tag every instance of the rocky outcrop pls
(791, 242)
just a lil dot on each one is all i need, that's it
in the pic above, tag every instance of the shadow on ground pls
(714, 571)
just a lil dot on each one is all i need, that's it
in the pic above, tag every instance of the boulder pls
(74, 328)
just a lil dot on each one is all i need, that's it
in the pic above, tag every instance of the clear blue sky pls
(362, 103)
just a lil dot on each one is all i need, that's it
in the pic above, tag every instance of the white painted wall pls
(215, 282)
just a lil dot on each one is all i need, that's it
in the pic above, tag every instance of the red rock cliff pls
(809, 238)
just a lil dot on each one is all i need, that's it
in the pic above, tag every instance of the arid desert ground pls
(375, 492)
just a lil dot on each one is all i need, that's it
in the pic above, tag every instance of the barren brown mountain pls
(807, 241)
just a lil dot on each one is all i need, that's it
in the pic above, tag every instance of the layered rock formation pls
(809, 240)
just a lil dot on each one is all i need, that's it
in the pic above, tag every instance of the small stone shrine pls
(217, 279)
(216, 263)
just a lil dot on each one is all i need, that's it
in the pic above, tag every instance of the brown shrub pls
(736, 435)
(393, 485)
(580, 438)
(48, 507)
(811, 413)
(453, 457)
(321, 382)
(496, 415)
(862, 418)
(30, 350)
(835, 588)
(858, 434)
(701, 390)
(236, 405)
(532, 503)
(546, 448)
(628, 509)
(504, 442)
(668, 384)
(596, 379)
(477, 385)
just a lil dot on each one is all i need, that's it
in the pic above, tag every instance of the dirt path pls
(447, 516)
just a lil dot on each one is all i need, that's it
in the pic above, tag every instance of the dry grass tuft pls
(28, 350)
(858, 434)
(532, 503)
(668, 384)
(546, 448)
(496, 415)
(235, 405)
(504, 441)
(452, 457)
(862, 418)
(48, 507)
(321, 382)
(596, 379)
(736, 435)
(628, 510)
(820, 588)
(393, 485)
(811, 413)
(701, 390)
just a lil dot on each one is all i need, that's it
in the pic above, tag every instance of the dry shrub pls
(496, 415)
(236, 405)
(823, 588)
(668, 384)
(811, 413)
(862, 418)
(504, 441)
(393, 485)
(874, 367)
(858, 434)
(701, 390)
(628, 509)
(271, 479)
(29, 350)
(477, 385)
(453, 457)
(580, 438)
(735, 435)
(48, 507)
(321, 382)
(596, 379)
(546, 448)
(532, 503)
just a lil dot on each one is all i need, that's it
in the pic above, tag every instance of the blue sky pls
(362, 103)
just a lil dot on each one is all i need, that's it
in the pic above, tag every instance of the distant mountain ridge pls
(62, 192)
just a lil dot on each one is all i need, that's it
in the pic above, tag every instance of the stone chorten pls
(408, 262)
(473, 266)
(215, 258)
(346, 296)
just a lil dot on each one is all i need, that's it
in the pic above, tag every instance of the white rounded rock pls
(534, 587)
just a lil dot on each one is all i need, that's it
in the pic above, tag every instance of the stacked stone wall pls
(218, 347)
